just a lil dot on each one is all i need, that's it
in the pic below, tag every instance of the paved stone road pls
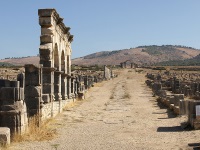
(119, 114)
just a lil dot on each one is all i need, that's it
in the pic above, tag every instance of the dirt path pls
(119, 114)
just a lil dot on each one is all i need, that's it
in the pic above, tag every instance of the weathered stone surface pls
(46, 98)
(47, 31)
(46, 46)
(21, 79)
(15, 84)
(46, 21)
(46, 38)
(32, 75)
(45, 12)
(46, 63)
(33, 91)
(4, 83)
(33, 103)
(4, 136)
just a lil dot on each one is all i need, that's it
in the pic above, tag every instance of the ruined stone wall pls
(55, 54)
(179, 93)
(44, 90)
(13, 112)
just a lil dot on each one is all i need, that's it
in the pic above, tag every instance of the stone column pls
(48, 82)
(72, 86)
(69, 87)
(46, 21)
(86, 82)
(64, 86)
(57, 85)
(131, 65)
(124, 64)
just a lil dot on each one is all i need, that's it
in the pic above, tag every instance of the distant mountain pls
(21, 61)
(195, 61)
(140, 55)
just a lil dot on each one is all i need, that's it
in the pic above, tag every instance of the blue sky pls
(101, 25)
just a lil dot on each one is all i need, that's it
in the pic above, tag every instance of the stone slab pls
(4, 135)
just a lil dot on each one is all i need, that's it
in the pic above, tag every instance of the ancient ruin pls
(128, 64)
(179, 91)
(44, 90)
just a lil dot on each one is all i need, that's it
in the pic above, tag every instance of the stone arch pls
(56, 57)
(55, 42)
(63, 64)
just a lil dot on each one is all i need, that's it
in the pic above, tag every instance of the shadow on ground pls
(170, 129)
(195, 146)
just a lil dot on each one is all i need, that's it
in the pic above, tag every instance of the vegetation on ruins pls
(46, 131)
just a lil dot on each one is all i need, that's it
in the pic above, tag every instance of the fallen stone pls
(4, 136)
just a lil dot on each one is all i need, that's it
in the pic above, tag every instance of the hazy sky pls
(100, 25)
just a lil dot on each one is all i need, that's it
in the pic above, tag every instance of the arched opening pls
(57, 75)
(56, 57)
(63, 77)
(63, 61)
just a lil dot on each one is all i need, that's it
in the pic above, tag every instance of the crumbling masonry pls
(179, 92)
(44, 90)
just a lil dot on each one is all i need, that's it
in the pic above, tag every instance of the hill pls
(139, 55)
(195, 61)
(21, 61)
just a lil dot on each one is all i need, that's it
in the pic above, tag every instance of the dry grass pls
(112, 93)
(126, 96)
(112, 96)
(36, 133)
(68, 106)
(99, 84)
(3, 145)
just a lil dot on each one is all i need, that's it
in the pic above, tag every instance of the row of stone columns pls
(55, 51)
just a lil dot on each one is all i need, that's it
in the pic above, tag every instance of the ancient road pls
(119, 114)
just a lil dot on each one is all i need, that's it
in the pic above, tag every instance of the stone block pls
(7, 94)
(32, 75)
(47, 31)
(56, 88)
(46, 46)
(192, 111)
(46, 21)
(21, 79)
(182, 107)
(48, 78)
(17, 94)
(4, 135)
(33, 79)
(21, 93)
(177, 98)
(33, 91)
(46, 38)
(46, 63)
(45, 54)
(171, 99)
(46, 98)
(45, 12)
(4, 83)
(32, 103)
(48, 88)
(162, 93)
(14, 84)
